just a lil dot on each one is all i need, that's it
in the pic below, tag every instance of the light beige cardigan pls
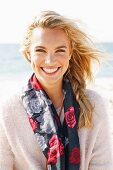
(19, 149)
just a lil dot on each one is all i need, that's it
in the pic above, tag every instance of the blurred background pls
(96, 19)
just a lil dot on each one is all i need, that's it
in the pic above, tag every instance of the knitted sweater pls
(19, 149)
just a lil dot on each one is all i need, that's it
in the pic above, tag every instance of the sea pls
(14, 67)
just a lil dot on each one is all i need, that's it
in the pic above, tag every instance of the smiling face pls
(49, 54)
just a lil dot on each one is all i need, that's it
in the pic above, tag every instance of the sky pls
(95, 15)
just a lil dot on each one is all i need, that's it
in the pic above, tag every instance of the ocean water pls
(13, 66)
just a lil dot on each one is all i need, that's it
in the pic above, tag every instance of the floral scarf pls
(59, 143)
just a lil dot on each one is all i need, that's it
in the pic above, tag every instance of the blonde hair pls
(83, 53)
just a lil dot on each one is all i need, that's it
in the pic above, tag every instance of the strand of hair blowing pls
(79, 70)
(83, 54)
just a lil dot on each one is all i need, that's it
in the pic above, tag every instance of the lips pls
(50, 70)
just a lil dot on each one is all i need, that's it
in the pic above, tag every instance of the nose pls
(50, 59)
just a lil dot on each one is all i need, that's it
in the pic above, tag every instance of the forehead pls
(49, 36)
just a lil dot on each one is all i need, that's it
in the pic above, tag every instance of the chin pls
(51, 81)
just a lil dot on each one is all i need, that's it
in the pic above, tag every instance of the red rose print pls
(34, 123)
(61, 149)
(35, 83)
(53, 155)
(54, 141)
(56, 149)
(74, 157)
(70, 117)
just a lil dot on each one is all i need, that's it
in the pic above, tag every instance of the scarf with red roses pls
(59, 143)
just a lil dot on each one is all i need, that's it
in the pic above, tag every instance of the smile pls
(50, 70)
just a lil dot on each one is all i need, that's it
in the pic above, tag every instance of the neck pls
(56, 94)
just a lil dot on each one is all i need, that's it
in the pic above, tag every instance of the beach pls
(103, 86)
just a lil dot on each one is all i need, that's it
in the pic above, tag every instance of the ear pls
(27, 55)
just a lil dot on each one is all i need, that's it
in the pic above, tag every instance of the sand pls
(104, 86)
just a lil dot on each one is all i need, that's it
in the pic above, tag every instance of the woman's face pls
(49, 55)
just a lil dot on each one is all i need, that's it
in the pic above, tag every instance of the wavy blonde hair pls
(83, 53)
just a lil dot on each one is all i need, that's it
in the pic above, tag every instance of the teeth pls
(48, 70)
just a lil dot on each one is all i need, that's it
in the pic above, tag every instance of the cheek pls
(34, 62)
(67, 65)
(34, 59)
(66, 62)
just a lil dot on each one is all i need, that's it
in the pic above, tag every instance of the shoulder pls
(97, 140)
(100, 114)
(11, 105)
(95, 97)
(98, 102)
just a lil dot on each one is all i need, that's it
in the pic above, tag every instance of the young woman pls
(55, 123)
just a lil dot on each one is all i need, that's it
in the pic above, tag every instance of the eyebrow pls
(40, 47)
(62, 46)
